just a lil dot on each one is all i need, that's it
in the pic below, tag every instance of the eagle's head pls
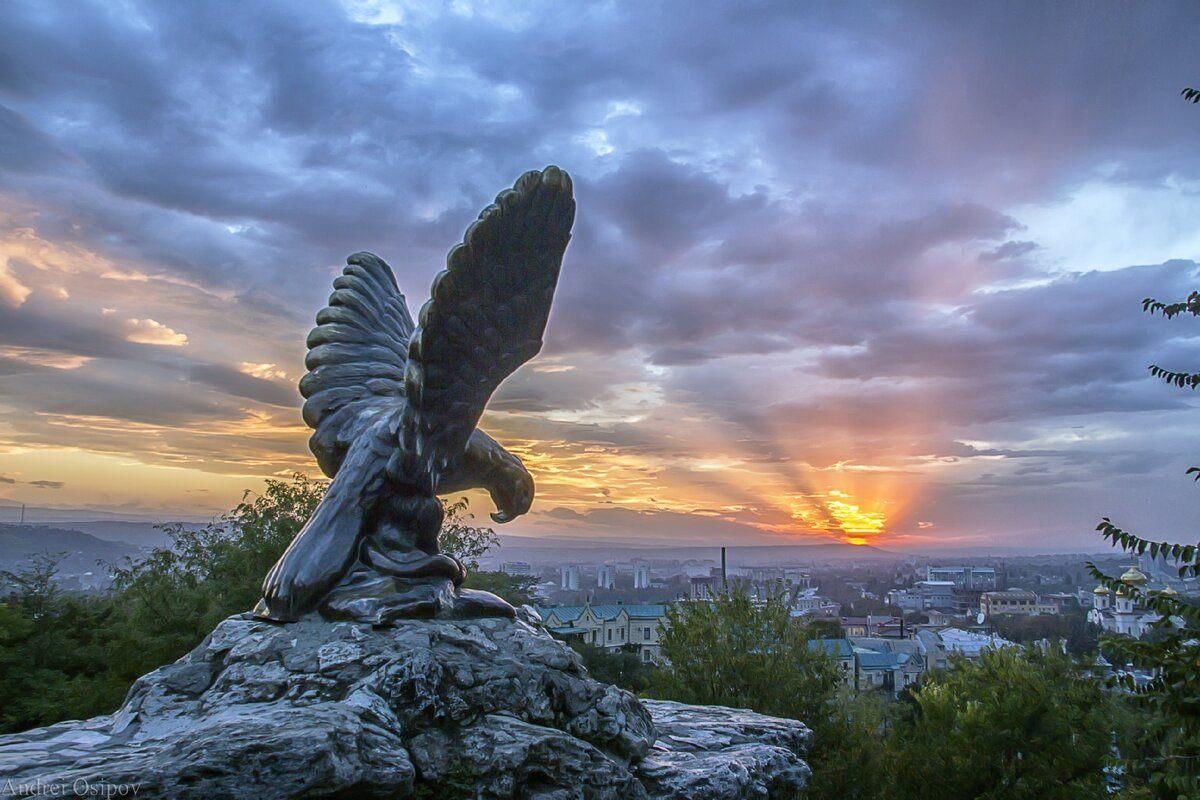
(511, 490)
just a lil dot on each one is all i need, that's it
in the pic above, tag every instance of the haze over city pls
(877, 284)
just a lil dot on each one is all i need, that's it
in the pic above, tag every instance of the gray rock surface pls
(480, 708)
(710, 752)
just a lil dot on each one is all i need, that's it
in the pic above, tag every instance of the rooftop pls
(565, 613)
(962, 569)
(870, 659)
(837, 648)
(969, 643)
(605, 611)
(1012, 594)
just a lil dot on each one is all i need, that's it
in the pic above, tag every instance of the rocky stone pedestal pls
(474, 708)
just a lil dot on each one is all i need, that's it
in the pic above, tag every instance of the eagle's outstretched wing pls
(356, 358)
(485, 318)
(354, 392)
(386, 400)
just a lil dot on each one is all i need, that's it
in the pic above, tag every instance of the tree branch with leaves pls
(1169, 755)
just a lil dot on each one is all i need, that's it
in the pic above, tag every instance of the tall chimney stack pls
(724, 573)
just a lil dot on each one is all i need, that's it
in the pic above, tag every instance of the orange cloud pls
(150, 331)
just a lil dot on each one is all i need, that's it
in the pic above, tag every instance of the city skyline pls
(865, 276)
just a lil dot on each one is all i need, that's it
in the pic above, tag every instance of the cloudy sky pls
(870, 272)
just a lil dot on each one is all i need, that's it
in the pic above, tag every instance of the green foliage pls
(1167, 753)
(459, 539)
(1168, 756)
(52, 651)
(1015, 724)
(732, 652)
(1182, 380)
(1183, 556)
(64, 656)
(1072, 627)
(171, 599)
(516, 589)
(621, 666)
(1171, 310)
(468, 544)
(850, 748)
(825, 628)
(1012, 725)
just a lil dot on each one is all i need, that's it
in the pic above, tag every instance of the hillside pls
(141, 534)
(18, 543)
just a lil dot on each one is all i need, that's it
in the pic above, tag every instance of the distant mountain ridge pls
(142, 534)
(82, 552)
(10, 514)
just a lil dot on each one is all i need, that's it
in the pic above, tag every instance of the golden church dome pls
(1133, 576)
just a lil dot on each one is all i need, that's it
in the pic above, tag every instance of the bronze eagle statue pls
(395, 403)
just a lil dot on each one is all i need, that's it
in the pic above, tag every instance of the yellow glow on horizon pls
(118, 483)
(852, 519)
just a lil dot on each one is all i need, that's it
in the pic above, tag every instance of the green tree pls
(850, 747)
(734, 652)
(621, 666)
(64, 656)
(1012, 726)
(463, 541)
(1167, 754)
(1071, 626)
(51, 649)
(34, 586)
(171, 599)
(516, 589)
(824, 627)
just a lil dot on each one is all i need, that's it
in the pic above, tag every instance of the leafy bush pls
(65, 656)
(621, 667)
(1014, 726)
(734, 652)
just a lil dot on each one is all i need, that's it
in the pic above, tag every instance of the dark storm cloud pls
(239, 384)
(129, 381)
(826, 201)
(36, 326)
(320, 133)
(26, 148)
(139, 396)
(1003, 94)
(38, 484)
(693, 272)
(1074, 330)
